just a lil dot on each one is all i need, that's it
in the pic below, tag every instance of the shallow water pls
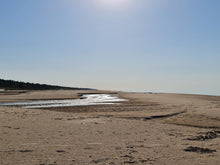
(94, 99)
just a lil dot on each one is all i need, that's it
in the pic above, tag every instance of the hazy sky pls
(136, 45)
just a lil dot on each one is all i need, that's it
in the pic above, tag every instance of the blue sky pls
(135, 45)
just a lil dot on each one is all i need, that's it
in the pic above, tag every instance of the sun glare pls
(114, 3)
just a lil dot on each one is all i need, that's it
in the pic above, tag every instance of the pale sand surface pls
(148, 129)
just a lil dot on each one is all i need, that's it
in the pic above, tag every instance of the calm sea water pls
(90, 99)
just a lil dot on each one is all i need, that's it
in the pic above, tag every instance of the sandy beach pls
(147, 129)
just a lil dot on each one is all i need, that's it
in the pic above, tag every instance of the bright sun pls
(114, 3)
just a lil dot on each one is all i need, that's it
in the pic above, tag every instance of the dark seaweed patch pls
(207, 136)
(199, 150)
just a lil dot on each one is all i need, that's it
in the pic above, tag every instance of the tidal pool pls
(89, 99)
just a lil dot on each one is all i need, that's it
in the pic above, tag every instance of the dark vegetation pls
(17, 85)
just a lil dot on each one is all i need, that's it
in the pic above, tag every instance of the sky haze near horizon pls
(133, 45)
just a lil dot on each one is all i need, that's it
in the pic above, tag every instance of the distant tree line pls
(17, 85)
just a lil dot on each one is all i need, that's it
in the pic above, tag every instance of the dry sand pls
(148, 129)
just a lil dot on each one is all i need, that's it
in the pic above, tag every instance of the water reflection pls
(89, 99)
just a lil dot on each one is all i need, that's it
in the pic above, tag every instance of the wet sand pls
(148, 129)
